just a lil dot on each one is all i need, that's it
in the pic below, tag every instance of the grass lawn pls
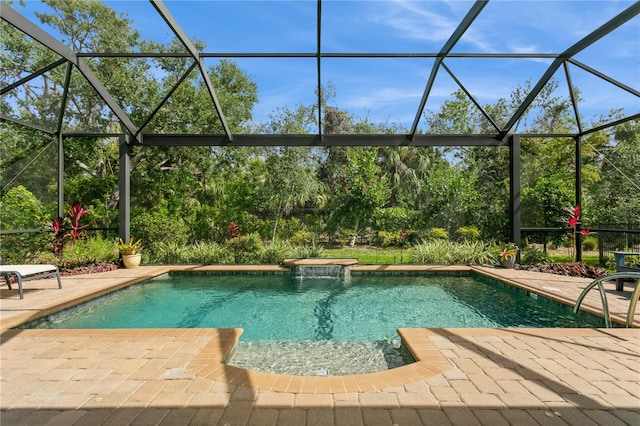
(589, 259)
(370, 256)
(391, 256)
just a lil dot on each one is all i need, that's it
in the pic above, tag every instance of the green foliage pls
(159, 226)
(615, 198)
(290, 182)
(206, 254)
(441, 252)
(436, 234)
(131, 247)
(307, 251)
(301, 238)
(545, 204)
(166, 252)
(206, 224)
(388, 239)
(275, 252)
(342, 236)
(632, 261)
(372, 256)
(83, 252)
(95, 249)
(468, 233)
(590, 243)
(392, 219)
(20, 209)
(288, 228)
(452, 198)
(246, 248)
(533, 256)
(358, 191)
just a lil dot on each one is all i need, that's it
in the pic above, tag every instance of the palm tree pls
(405, 167)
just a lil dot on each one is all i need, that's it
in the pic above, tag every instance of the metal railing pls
(603, 296)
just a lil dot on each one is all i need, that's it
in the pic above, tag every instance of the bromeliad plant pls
(130, 248)
(507, 251)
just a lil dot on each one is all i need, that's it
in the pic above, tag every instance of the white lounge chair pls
(28, 273)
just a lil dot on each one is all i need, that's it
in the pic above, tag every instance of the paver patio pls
(176, 376)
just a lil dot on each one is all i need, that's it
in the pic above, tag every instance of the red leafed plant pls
(574, 221)
(67, 227)
(233, 230)
(75, 214)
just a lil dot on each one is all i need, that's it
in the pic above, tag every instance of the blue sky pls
(389, 90)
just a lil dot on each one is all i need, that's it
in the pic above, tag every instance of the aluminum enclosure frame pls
(134, 136)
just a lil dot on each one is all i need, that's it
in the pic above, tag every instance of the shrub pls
(287, 228)
(431, 252)
(159, 226)
(395, 218)
(165, 253)
(304, 252)
(246, 248)
(533, 256)
(471, 253)
(632, 261)
(590, 243)
(343, 236)
(302, 238)
(206, 225)
(95, 249)
(206, 253)
(449, 253)
(436, 234)
(468, 233)
(22, 210)
(388, 239)
(275, 252)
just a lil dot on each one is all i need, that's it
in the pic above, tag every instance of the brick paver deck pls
(176, 376)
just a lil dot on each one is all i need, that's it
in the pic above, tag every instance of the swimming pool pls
(317, 326)
(282, 307)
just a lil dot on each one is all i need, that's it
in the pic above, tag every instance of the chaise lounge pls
(28, 273)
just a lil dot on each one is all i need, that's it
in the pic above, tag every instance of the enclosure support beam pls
(327, 140)
(514, 191)
(124, 190)
(60, 175)
(578, 236)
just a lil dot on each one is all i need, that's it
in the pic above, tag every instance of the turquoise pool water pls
(285, 308)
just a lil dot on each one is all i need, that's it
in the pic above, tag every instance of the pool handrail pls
(603, 296)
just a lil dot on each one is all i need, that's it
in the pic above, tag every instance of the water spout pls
(321, 268)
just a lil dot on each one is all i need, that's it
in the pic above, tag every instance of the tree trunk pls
(355, 233)
(275, 227)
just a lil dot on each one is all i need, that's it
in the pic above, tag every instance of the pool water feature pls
(281, 314)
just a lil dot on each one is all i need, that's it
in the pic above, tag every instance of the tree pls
(177, 178)
(405, 169)
(615, 197)
(358, 191)
(290, 182)
(545, 205)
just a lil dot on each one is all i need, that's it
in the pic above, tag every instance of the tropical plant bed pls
(572, 269)
(93, 268)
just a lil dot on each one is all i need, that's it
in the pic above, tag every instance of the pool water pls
(285, 308)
